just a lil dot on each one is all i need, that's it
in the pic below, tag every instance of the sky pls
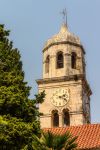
(32, 22)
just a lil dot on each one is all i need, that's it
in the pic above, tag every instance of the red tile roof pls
(88, 135)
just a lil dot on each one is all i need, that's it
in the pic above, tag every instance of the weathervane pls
(64, 13)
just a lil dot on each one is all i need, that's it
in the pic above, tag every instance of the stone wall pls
(74, 105)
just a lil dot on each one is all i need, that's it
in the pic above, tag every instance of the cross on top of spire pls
(64, 14)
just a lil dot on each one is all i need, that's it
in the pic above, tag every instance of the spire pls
(63, 29)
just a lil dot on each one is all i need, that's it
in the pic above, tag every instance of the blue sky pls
(32, 22)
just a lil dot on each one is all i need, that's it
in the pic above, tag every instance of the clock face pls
(60, 97)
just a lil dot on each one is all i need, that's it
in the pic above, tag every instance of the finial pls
(64, 13)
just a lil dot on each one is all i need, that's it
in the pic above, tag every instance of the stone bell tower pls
(67, 100)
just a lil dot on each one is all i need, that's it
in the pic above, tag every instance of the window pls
(60, 61)
(66, 118)
(47, 64)
(55, 118)
(73, 60)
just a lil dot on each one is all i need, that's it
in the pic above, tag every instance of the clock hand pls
(60, 96)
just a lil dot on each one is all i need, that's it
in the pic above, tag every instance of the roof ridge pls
(95, 124)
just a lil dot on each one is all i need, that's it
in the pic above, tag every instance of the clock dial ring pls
(60, 97)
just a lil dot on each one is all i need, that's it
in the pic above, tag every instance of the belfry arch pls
(60, 60)
(65, 117)
(55, 118)
(73, 60)
(47, 64)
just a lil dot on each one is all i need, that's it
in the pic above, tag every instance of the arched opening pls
(73, 60)
(47, 64)
(55, 118)
(60, 60)
(66, 118)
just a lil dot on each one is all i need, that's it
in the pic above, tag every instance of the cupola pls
(64, 36)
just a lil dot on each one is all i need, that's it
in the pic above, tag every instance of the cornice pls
(67, 78)
(64, 42)
(60, 79)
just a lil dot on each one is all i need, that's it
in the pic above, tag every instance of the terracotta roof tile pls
(88, 135)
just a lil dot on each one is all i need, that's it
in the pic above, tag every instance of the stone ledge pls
(61, 79)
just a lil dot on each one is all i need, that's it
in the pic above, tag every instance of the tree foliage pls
(50, 141)
(19, 123)
(18, 114)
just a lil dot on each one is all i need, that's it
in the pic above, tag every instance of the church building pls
(67, 100)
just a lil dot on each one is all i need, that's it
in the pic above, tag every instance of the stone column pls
(52, 66)
(67, 63)
(60, 120)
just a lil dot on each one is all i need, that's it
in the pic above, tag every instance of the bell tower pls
(67, 100)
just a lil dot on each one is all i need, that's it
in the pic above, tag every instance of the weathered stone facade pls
(66, 77)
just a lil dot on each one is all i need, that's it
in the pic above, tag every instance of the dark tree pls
(18, 114)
